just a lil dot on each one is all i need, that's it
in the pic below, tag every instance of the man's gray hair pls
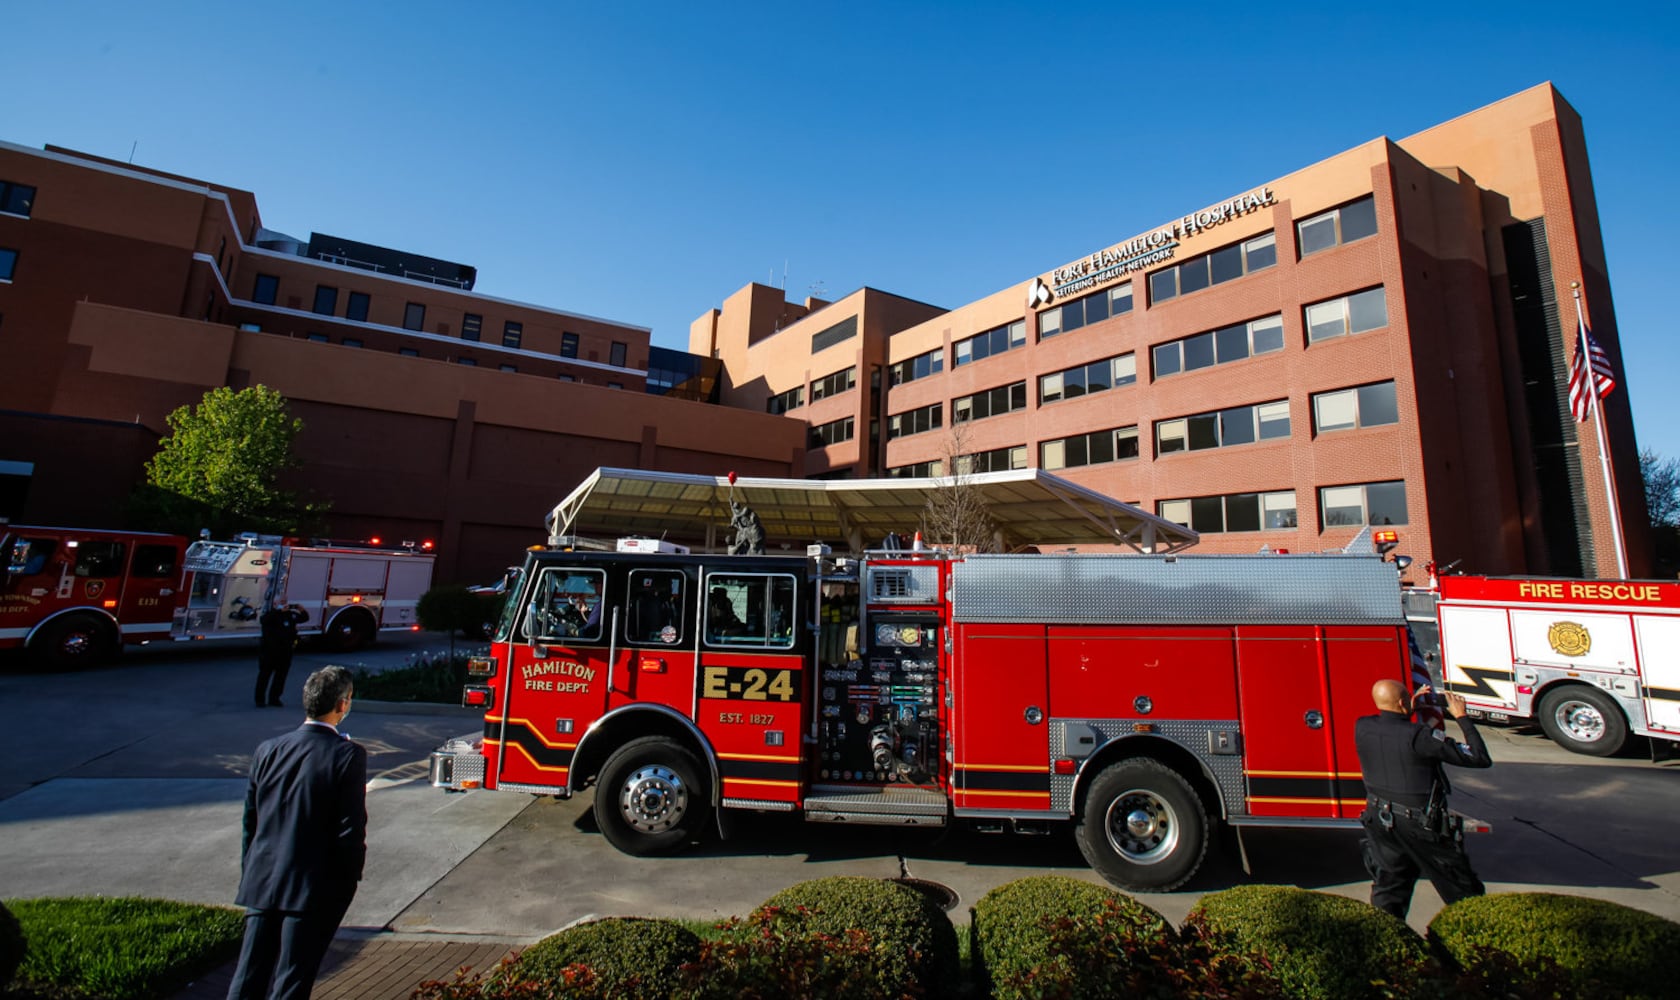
(324, 689)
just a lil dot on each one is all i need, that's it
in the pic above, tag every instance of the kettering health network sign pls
(1143, 251)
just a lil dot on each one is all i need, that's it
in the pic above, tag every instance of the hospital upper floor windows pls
(1222, 265)
(920, 366)
(984, 345)
(1093, 308)
(1353, 221)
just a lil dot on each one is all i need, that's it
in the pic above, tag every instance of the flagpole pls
(1603, 444)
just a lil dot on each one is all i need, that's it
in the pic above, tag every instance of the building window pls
(920, 366)
(1350, 314)
(16, 199)
(990, 403)
(1219, 347)
(472, 326)
(567, 378)
(8, 263)
(1232, 512)
(833, 432)
(996, 460)
(512, 334)
(1096, 448)
(615, 357)
(568, 345)
(785, 401)
(917, 421)
(984, 345)
(615, 385)
(1366, 503)
(351, 342)
(408, 352)
(469, 362)
(1224, 264)
(846, 329)
(1071, 383)
(832, 385)
(266, 289)
(1223, 428)
(917, 470)
(414, 316)
(1363, 406)
(509, 368)
(326, 300)
(319, 338)
(251, 327)
(356, 307)
(1353, 221)
(1070, 316)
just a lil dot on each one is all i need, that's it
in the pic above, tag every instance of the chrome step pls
(888, 806)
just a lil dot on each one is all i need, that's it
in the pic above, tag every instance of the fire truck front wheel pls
(651, 798)
(1583, 719)
(1144, 827)
(73, 641)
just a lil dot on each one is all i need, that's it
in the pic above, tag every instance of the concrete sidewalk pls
(379, 966)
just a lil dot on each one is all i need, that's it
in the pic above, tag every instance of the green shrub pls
(1054, 936)
(11, 945)
(428, 677)
(914, 943)
(1605, 948)
(1318, 944)
(774, 953)
(626, 957)
(123, 947)
(453, 608)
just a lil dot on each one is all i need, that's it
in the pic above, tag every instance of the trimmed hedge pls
(1055, 936)
(1317, 943)
(11, 945)
(914, 944)
(628, 957)
(122, 947)
(773, 953)
(1604, 948)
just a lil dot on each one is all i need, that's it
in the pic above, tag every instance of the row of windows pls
(917, 421)
(741, 609)
(920, 366)
(1219, 347)
(1070, 316)
(1223, 428)
(984, 345)
(1338, 507)
(996, 460)
(1353, 221)
(1071, 383)
(1349, 314)
(1095, 448)
(989, 403)
(844, 330)
(833, 385)
(833, 432)
(1222, 265)
(16, 199)
(785, 401)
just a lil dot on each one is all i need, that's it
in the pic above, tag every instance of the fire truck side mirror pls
(1403, 562)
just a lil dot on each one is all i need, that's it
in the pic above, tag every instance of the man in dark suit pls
(305, 838)
(274, 650)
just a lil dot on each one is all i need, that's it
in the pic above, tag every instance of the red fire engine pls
(74, 596)
(1139, 698)
(1592, 661)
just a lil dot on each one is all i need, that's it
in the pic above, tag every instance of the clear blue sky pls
(640, 162)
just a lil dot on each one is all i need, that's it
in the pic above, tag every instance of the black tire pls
(652, 797)
(1583, 720)
(1144, 828)
(75, 641)
(350, 631)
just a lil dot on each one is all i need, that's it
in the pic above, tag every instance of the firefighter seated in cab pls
(721, 619)
(571, 608)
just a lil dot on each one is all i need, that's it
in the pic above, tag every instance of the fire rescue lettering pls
(1648, 592)
(537, 676)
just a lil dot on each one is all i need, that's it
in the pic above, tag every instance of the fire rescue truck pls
(1140, 699)
(1592, 661)
(74, 596)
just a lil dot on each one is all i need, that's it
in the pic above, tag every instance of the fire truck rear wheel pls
(75, 641)
(651, 798)
(351, 630)
(1584, 720)
(1144, 827)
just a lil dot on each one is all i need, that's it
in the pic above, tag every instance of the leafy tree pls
(220, 465)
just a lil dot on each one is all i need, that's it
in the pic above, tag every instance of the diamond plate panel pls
(1177, 590)
(765, 804)
(509, 786)
(1192, 735)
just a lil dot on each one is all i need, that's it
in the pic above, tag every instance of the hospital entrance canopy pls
(1026, 506)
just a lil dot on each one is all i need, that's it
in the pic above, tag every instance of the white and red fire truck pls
(1140, 698)
(1592, 661)
(74, 596)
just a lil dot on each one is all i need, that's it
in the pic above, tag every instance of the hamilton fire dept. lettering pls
(538, 676)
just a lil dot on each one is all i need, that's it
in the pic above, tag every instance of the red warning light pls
(426, 545)
(374, 540)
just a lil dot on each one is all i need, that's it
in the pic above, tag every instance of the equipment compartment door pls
(1659, 661)
(1358, 657)
(1001, 731)
(1288, 756)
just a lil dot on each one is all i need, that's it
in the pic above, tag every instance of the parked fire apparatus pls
(1139, 698)
(1592, 661)
(74, 596)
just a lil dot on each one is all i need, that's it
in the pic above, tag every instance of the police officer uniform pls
(1408, 830)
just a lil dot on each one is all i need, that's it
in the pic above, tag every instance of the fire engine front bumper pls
(458, 764)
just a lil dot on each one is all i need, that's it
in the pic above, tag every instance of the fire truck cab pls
(1138, 699)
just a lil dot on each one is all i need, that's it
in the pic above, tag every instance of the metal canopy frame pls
(1029, 507)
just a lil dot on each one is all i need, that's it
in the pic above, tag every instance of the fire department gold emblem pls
(93, 589)
(1569, 638)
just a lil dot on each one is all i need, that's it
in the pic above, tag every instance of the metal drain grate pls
(943, 896)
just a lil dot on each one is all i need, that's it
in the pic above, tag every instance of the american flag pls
(1580, 400)
(1428, 714)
